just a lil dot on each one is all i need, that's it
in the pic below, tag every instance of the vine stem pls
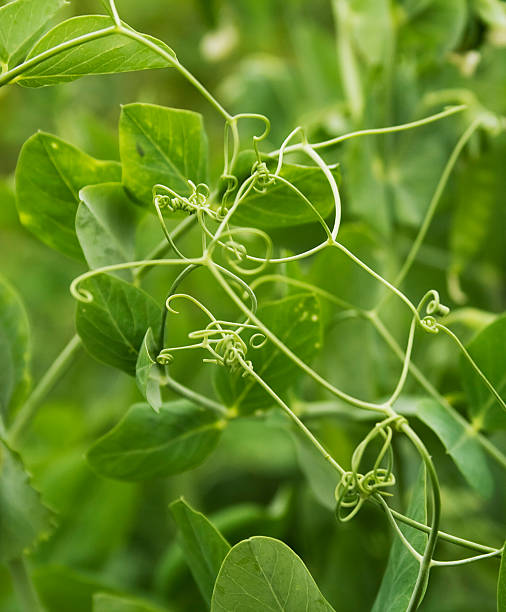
(46, 383)
(23, 586)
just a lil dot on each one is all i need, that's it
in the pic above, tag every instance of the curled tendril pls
(433, 307)
(173, 201)
(263, 178)
(236, 252)
(355, 487)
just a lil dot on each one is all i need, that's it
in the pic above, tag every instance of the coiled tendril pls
(432, 304)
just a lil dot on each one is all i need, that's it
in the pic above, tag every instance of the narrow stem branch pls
(46, 383)
(195, 397)
(23, 586)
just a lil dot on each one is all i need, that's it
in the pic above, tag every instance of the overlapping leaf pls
(146, 445)
(49, 175)
(161, 145)
(113, 325)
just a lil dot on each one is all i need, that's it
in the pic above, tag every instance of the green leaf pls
(161, 145)
(402, 568)
(148, 445)
(487, 350)
(279, 206)
(460, 443)
(295, 320)
(432, 28)
(264, 574)
(371, 27)
(49, 175)
(21, 23)
(104, 602)
(14, 350)
(113, 325)
(501, 583)
(148, 373)
(107, 55)
(203, 546)
(106, 223)
(24, 519)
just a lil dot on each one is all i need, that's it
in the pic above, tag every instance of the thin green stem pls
(425, 565)
(195, 397)
(46, 383)
(375, 131)
(23, 586)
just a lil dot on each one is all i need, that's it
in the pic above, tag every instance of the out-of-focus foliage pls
(332, 67)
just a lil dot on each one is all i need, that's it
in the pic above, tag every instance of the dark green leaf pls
(402, 568)
(487, 350)
(106, 223)
(295, 320)
(49, 175)
(148, 372)
(24, 520)
(203, 546)
(264, 574)
(161, 145)
(106, 55)
(279, 206)
(14, 350)
(460, 443)
(148, 445)
(104, 602)
(113, 325)
(21, 23)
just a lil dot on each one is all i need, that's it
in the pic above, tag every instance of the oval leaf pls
(14, 350)
(296, 322)
(49, 175)
(161, 145)
(106, 222)
(148, 445)
(265, 574)
(460, 443)
(203, 546)
(21, 23)
(113, 325)
(106, 55)
(24, 519)
(279, 206)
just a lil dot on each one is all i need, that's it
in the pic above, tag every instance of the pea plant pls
(244, 309)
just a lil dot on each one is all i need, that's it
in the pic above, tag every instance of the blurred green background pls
(280, 58)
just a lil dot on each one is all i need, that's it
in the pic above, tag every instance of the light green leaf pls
(113, 325)
(501, 583)
(106, 223)
(161, 145)
(104, 602)
(24, 519)
(295, 320)
(21, 23)
(279, 206)
(487, 350)
(49, 175)
(265, 574)
(147, 445)
(371, 26)
(402, 568)
(148, 373)
(110, 54)
(203, 546)
(460, 443)
(14, 350)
